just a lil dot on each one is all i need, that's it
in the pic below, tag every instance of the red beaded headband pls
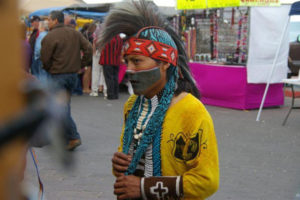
(150, 48)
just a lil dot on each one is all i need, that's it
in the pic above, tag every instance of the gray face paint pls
(142, 80)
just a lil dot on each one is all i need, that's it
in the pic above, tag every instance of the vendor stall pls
(227, 86)
(225, 54)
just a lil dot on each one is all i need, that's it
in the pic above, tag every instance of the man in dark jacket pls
(61, 57)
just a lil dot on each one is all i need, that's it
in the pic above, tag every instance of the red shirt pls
(111, 53)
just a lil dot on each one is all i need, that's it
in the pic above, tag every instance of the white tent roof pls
(28, 6)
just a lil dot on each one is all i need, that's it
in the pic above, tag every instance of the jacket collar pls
(58, 26)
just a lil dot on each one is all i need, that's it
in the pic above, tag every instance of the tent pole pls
(273, 69)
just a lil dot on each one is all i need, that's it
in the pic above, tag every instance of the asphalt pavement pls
(258, 160)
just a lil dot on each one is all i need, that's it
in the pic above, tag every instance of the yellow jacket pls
(188, 147)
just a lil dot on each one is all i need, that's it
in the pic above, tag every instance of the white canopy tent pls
(294, 10)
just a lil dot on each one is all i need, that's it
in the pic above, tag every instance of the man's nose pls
(130, 67)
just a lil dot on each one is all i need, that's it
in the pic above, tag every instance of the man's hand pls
(120, 163)
(127, 187)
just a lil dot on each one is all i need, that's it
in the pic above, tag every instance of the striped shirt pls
(111, 53)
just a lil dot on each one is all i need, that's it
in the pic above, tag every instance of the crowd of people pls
(57, 52)
(93, 77)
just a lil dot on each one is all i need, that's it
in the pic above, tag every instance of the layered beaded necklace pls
(146, 109)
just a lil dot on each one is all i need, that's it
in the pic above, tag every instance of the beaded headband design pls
(150, 48)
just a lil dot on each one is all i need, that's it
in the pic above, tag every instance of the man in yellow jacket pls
(168, 148)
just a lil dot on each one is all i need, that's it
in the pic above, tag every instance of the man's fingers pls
(120, 160)
(119, 185)
(120, 179)
(123, 156)
(119, 168)
(122, 197)
(119, 191)
(118, 174)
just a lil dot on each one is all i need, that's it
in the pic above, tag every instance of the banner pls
(223, 3)
(191, 4)
(203, 4)
(260, 3)
(266, 29)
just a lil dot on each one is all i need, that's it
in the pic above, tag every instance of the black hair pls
(57, 15)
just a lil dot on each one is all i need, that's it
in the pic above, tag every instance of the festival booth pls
(231, 50)
(83, 13)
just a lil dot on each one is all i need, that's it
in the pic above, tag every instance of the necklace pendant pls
(136, 136)
(140, 135)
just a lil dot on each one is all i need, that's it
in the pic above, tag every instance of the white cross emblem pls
(159, 190)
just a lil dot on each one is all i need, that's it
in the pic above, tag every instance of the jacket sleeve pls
(87, 50)
(201, 179)
(47, 49)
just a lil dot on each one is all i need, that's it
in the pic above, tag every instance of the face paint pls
(142, 80)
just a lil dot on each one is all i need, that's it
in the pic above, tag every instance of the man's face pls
(51, 23)
(145, 74)
(35, 24)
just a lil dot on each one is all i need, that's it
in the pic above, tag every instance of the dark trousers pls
(78, 89)
(111, 75)
(68, 83)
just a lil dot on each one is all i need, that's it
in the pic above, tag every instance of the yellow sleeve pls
(201, 179)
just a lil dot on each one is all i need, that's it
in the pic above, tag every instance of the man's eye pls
(136, 61)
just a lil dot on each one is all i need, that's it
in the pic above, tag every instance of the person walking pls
(168, 148)
(110, 60)
(60, 55)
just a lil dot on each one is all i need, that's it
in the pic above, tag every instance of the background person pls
(41, 74)
(110, 60)
(98, 81)
(86, 79)
(61, 58)
(35, 24)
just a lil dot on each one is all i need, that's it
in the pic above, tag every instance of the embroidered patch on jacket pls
(188, 148)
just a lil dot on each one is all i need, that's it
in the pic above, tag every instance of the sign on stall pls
(222, 3)
(191, 4)
(260, 3)
(203, 4)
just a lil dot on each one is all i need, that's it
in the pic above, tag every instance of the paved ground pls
(258, 160)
